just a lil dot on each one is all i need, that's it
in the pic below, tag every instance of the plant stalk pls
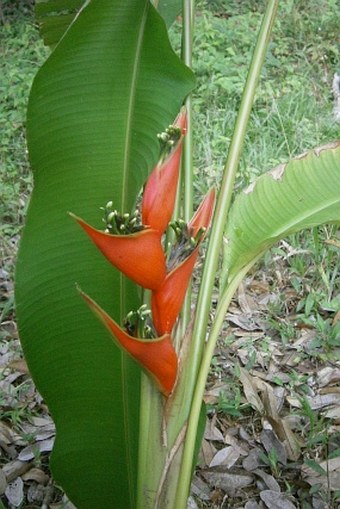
(187, 158)
(212, 258)
(190, 439)
(225, 194)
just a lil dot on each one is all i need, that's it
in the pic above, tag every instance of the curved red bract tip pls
(181, 120)
(156, 356)
(161, 187)
(139, 255)
(203, 214)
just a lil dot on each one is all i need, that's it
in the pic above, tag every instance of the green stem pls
(149, 399)
(187, 158)
(144, 418)
(212, 258)
(190, 438)
(224, 198)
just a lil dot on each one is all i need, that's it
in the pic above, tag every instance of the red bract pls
(156, 356)
(138, 255)
(160, 190)
(203, 214)
(167, 301)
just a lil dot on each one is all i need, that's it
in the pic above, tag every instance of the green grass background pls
(293, 109)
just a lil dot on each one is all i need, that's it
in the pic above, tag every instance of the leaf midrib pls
(303, 217)
(124, 196)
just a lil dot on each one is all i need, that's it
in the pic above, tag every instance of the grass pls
(292, 113)
(22, 54)
(293, 109)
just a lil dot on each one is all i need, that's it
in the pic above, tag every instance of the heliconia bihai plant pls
(133, 244)
(116, 343)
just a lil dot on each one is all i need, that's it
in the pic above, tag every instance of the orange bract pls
(167, 301)
(161, 187)
(139, 255)
(156, 356)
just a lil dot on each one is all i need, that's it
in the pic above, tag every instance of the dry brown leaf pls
(336, 318)
(330, 390)
(31, 451)
(35, 493)
(5, 433)
(331, 465)
(246, 323)
(275, 500)
(64, 504)
(268, 479)
(241, 447)
(249, 388)
(294, 402)
(14, 468)
(290, 441)
(270, 441)
(331, 479)
(226, 456)
(40, 428)
(207, 452)
(259, 287)
(3, 482)
(36, 474)
(191, 504)
(245, 301)
(15, 492)
(212, 432)
(333, 412)
(288, 438)
(19, 365)
(200, 489)
(270, 401)
(212, 396)
(328, 375)
(42, 421)
(252, 504)
(321, 401)
(253, 460)
(228, 482)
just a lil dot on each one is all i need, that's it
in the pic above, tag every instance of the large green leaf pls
(55, 16)
(169, 9)
(95, 108)
(301, 194)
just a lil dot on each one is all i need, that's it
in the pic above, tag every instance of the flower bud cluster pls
(121, 224)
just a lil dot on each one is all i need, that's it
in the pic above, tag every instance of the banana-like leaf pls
(55, 16)
(300, 194)
(169, 9)
(96, 106)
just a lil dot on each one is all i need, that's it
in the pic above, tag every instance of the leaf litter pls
(274, 389)
(272, 434)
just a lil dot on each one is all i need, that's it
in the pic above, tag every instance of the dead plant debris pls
(272, 436)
